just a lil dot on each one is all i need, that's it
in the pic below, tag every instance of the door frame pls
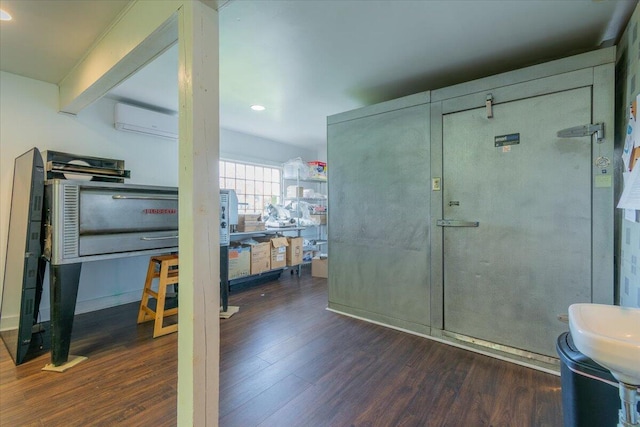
(596, 70)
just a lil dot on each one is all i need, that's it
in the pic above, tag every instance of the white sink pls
(610, 335)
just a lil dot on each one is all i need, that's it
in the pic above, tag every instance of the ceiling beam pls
(136, 37)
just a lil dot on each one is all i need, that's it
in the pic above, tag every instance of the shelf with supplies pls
(305, 195)
(317, 180)
(268, 231)
(254, 254)
(305, 199)
(258, 256)
(308, 203)
(251, 252)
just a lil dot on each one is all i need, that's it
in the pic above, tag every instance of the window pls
(255, 185)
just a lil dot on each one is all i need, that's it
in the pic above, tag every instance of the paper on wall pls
(630, 215)
(636, 131)
(629, 142)
(630, 198)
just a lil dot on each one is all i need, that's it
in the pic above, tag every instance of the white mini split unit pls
(139, 120)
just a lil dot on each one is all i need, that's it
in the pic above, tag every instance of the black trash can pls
(589, 391)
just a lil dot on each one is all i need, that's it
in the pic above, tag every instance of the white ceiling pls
(46, 39)
(307, 59)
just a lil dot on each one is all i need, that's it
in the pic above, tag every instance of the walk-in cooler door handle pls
(456, 223)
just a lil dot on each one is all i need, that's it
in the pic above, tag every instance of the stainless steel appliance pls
(91, 218)
(228, 215)
(88, 221)
(228, 221)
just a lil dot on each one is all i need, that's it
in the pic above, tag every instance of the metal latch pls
(489, 105)
(456, 223)
(586, 130)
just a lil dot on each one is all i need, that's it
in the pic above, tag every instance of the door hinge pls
(586, 130)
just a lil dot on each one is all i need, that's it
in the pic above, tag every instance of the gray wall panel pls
(383, 107)
(363, 277)
(379, 189)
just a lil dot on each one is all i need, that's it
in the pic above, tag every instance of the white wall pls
(248, 148)
(321, 154)
(29, 118)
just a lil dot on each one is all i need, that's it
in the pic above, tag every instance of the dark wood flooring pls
(285, 361)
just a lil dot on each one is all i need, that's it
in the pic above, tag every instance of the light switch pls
(435, 184)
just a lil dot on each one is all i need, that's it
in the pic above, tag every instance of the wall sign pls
(510, 139)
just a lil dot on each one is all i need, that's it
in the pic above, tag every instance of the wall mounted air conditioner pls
(139, 120)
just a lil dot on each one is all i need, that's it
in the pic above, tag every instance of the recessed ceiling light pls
(256, 107)
(4, 16)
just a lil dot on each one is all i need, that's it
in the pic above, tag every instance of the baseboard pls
(380, 319)
(549, 369)
(95, 304)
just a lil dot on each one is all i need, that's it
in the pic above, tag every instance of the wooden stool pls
(165, 269)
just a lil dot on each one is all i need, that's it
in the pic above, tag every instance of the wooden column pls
(140, 33)
(198, 337)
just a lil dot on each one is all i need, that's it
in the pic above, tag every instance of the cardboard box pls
(320, 267)
(251, 226)
(249, 217)
(239, 261)
(260, 257)
(250, 222)
(295, 191)
(294, 250)
(317, 170)
(279, 252)
(320, 219)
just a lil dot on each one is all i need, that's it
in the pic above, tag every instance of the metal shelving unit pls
(265, 275)
(314, 233)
